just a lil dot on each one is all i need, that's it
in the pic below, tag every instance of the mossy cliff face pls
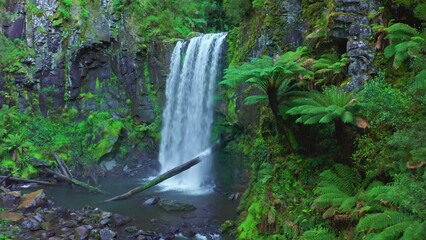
(82, 56)
(278, 26)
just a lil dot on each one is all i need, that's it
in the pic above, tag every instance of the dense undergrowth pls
(325, 163)
(81, 141)
(357, 169)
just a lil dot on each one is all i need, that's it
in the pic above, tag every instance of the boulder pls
(172, 205)
(31, 224)
(10, 199)
(151, 201)
(82, 232)
(118, 220)
(106, 234)
(33, 200)
(108, 165)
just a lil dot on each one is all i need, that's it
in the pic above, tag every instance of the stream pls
(212, 208)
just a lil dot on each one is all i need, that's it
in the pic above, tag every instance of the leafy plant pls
(329, 68)
(406, 43)
(342, 191)
(333, 104)
(403, 216)
(318, 234)
(275, 79)
(383, 105)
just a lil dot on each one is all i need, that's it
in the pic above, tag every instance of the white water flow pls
(188, 115)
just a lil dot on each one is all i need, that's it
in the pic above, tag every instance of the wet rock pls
(104, 222)
(105, 215)
(172, 205)
(227, 225)
(11, 216)
(55, 238)
(119, 220)
(31, 224)
(51, 216)
(33, 200)
(106, 234)
(109, 165)
(47, 226)
(131, 229)
(234, 196)
(70, 224)
(48, 234)
(151, 201)
(10, 199)
(82, 232)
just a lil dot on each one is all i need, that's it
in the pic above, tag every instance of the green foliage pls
(270, 76)
(258, 3)
(7, 230)
(168, 19)
(25, 137)
(382, 104)
(318, 234)
(342, 191)
(420, 11)
(330, 105)
(404, 211)
(406, 44)
(329, 68)
(15, 52)
(237, 9)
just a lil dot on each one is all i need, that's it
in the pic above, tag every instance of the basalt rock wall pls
(83, 56)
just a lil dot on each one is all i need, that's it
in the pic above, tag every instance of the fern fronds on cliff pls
(332, 104)
(329, 68)
(406, 43)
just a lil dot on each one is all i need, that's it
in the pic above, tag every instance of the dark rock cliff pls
(85, 62)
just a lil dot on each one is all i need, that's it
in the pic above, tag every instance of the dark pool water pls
(212, 208)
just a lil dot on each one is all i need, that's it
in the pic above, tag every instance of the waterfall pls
(188, 115)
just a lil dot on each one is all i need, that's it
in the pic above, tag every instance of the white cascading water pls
(188, 115)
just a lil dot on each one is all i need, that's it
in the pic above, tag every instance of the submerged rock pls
(118, 220)
(172, 205)
(151, 201)
(109, 165)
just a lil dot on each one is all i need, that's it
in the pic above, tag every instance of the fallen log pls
(75, 181)
(5, 178)
(27, 180)
(62, 166)
(221, 143)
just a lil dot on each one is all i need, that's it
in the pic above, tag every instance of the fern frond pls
(379, 221)
(255, 99)
(317, 234)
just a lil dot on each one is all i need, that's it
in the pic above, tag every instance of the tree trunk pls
(172, 172)
(344, 141)
(282, 127)
(25, 180)
(75, 181)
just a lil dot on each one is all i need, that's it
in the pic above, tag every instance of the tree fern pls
(332, 104)
(406, 43)
(391, 225)
(337, 188)
(275, 79)
(329, 68)
(404, 211)
(317, 234)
